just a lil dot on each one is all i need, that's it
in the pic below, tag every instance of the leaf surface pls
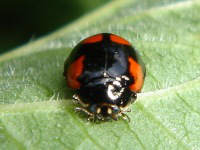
(36, 109)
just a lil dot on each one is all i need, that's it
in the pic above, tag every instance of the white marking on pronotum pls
(125, 77)
(111, 93)
(117, 83)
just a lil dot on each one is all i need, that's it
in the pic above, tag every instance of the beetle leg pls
(100, 117)
(125, 117)
(127, 110)
(114, 117)
(91, 116)
(83, 110)
(76, 99)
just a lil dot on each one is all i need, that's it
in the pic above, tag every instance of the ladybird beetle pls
(106, 73)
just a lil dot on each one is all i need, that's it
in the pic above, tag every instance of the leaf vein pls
(159, 123)
(136, 136)
(15, 140)
(84, 130)
(187, 104)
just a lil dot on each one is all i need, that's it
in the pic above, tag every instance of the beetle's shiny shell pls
(105, 70)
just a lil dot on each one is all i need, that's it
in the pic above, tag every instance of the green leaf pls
(36, 110)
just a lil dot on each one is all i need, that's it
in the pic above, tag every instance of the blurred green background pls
(22, 21)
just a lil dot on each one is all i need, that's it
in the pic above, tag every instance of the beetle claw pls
(125, 117)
